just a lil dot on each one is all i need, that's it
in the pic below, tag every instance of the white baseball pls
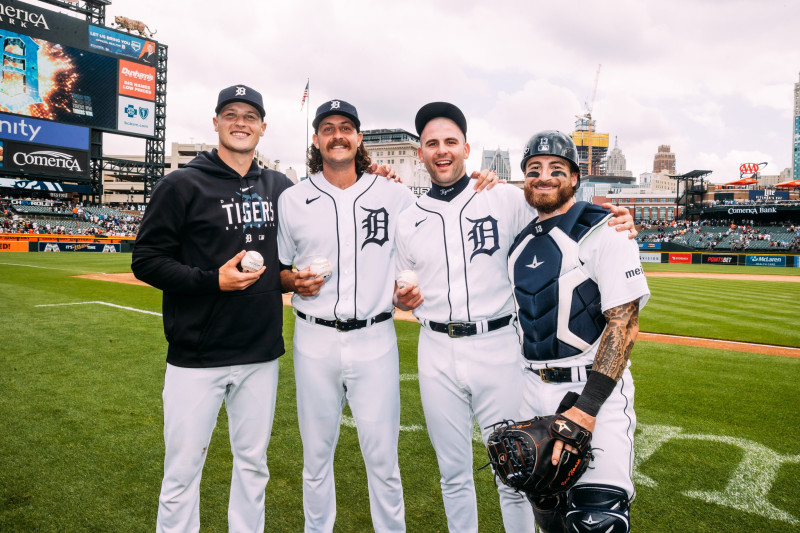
(407, 277)
(252, 261)
(321, 267)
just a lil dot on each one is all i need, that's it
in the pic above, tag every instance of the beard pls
(549, 202)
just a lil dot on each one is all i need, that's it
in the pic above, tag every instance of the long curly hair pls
(314, 159)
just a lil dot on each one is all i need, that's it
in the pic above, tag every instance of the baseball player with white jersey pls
(469, 363)
(345, 348)
(578, 288)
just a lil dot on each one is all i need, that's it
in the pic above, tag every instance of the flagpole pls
(305, 144)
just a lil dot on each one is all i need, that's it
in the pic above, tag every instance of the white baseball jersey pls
(359, 244)
(459, 250)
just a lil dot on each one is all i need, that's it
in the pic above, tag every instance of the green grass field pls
(81, 444)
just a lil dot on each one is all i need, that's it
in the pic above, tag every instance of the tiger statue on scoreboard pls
(134, 25)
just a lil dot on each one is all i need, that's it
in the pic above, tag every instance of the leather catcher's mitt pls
(520, 454)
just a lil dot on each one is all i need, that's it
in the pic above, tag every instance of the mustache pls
(334, 142)
(546, 183)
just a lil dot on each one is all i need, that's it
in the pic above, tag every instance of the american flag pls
(305, 95)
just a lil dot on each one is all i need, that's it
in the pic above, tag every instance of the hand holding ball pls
(321, 267)
(252, 261)
(406, 278)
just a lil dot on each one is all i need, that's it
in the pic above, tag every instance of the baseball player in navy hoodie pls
(223, 325)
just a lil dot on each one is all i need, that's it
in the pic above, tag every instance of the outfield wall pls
(35, 242)
(719, 258)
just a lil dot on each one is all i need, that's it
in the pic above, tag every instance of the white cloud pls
(712, 79)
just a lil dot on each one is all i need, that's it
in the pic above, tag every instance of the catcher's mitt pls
(521, 453)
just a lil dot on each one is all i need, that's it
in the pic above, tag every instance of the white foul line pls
(103, 303)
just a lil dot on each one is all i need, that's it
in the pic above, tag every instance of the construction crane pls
(586, 124)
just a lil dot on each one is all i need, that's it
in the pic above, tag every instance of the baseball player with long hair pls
(578, 288)
(345, 348)
(469, 359)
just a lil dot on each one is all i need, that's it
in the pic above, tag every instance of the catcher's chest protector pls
(558, 305)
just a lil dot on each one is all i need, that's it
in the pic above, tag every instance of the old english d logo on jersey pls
(377, 225)
(483, 236)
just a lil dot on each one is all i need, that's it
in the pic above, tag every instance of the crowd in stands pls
(68, 218)
(724, 235)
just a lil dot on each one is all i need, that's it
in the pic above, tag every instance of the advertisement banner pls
(766, 260)
(137, 80)
(649, 245)
(136, 116)
(680, 258)
(13, 246)
(122, 44)
(768, 195)
(649, 257)
(797, 261)
(719, 259)
(35, 159)
(101, 247)
(30, 130)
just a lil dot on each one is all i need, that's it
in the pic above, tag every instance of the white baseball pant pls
(461, 380)
(359, 367)
(192, 399)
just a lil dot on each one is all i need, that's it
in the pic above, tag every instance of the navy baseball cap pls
(240, 93)
(434, 110)
(336, 107)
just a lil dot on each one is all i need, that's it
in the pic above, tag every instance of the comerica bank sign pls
(47, 159)
(33, 159)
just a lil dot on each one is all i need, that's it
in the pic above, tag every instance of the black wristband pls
(597, 390)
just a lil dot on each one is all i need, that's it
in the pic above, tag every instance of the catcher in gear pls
(578, 289)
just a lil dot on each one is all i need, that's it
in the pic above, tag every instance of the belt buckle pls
(451, 329)
(345, 325)
(542, 375)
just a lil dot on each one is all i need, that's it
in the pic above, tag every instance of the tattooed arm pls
(610, 362)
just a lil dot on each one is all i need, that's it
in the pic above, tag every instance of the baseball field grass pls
(81, 448)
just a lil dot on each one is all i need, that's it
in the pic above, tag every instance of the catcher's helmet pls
(552, 142)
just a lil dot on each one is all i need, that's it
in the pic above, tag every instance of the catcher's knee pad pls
(549, 512)
(598, 508)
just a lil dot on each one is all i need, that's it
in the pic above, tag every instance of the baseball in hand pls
(406, 277)
(252, 261)
(321, 267)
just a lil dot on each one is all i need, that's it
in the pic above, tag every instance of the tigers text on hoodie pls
(198, 218)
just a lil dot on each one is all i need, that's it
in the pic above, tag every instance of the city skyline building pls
(592, 146)
(796, 137)
(664, 160)
(398, 148)
(617, 164)
(499, 161)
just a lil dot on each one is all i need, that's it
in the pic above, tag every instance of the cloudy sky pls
(714, 79)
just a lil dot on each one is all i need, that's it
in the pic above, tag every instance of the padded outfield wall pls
(650, 254)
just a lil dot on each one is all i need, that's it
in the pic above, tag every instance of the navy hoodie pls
(198, 218)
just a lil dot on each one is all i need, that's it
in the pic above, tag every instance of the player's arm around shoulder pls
(622, 220)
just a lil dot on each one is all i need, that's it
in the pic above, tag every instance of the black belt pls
(467, 329)
(345, 325)
(560, 375)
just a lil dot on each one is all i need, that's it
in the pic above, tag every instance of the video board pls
(61, 71)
